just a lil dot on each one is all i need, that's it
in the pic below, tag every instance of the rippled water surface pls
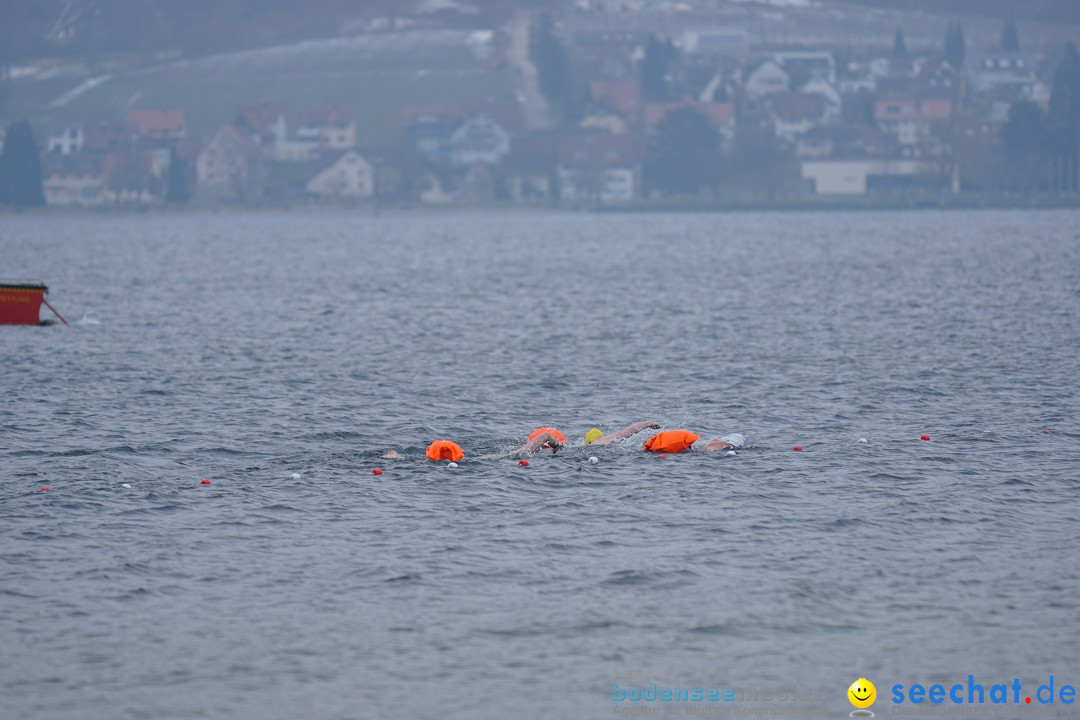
(246, 348)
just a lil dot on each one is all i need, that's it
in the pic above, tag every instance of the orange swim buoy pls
(555, 433)
(672, 441)
(444, 450)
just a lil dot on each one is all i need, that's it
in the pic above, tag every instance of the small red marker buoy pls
(1044, 430)
(924, 437)
(204, 481)
(797, 448)
(663, 456)
(45, 489)
(376, 471)
(523, 463)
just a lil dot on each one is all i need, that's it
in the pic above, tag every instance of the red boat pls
(20, 303)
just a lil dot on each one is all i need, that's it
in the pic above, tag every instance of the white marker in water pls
(862, 439)
(127, 485)
(593, 460)
(729, 453)
(451, 465)
(294, 476)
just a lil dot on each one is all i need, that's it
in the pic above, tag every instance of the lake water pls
(247, 347)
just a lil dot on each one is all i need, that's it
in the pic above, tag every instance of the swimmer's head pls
(593, 435)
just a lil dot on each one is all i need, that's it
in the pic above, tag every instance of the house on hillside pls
(1008, 73)
(765, 78)
(833, 101)
(428, 131)
(624, 96)
(230, 167)
(912, 119)
(794, 114)
(598, 167)
(721, 115)
(72, 179)
(154, 124)
(266, 126)
(802, 66)
(328, 128)
(847, 142)
(106, 137)
(478, 140)
(132, 178)
(602, 117)
(262, 122)
(65, 139)
(350, 176)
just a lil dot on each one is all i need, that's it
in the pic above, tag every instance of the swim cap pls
(593, 435)
(444, 450)
(672, 441)
(555, 433)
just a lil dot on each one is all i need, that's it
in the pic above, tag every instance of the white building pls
(765, 79)
(350, 176)
(329, 129)
(230, 166)
(66, 140)
(479, 140)
(612, 185)
(855, 177)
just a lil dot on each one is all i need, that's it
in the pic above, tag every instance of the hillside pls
(1065, 11)
(99, 28)
(376, 74)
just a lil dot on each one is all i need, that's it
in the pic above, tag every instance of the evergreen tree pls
(899, 46)
(1024, 148)
(1065, 120)
(659, 54)
(1010, 37)
(954, 45)
(549, 56)
(177, 191)
(685, 153)
(20, 168)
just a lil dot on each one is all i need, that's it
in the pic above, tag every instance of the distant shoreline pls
(814, 204)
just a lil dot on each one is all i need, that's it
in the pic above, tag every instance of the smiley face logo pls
(862, 693)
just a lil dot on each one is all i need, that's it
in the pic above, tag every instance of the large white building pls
(857, 177)
(350, 176)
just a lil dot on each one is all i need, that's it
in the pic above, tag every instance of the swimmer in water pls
(679, 441)
(727, 442)
(542, 439)
(436, 451)
(548, 438)
(595, 436)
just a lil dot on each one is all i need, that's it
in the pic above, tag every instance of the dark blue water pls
(246, 348)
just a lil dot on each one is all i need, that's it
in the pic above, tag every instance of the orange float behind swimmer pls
(554, 433)
(671, 441)
(444, 450)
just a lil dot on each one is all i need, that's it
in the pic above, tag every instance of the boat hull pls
(20, 303)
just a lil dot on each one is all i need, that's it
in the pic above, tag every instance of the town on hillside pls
(593, 103)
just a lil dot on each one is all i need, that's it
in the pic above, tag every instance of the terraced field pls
(378, 74)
